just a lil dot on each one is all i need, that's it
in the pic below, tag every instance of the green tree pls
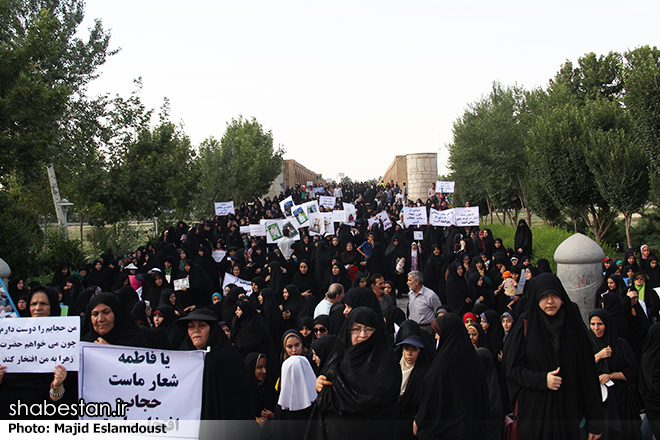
(568, 131)
(154, 171)
(44, 64)
(642, 79)
(487, 156)
(618, 163)
(239, 168)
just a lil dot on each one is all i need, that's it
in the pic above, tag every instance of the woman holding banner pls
(33, 388)
(226, 392)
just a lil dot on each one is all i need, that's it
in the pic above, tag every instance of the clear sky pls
(347, 85)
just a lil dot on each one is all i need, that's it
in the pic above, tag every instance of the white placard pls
(224, 208)
(286, 205)
(350, 214)
(338, 216)
(231, 279)
(218, 255)
(444, 187)
(415, 216)
(328, 202)
(316, 224)
(292, 226)
(373, 221)
(182, 283)
(300, 216)
(418, 235)
(258, 230)
(273, 231)
(38, 345)
(329, 223)
(152, 382)
(467, 216)
(385, 219)
(319, 190)
(310, 184)
(442, 218)
(311, 207)
(245, 230)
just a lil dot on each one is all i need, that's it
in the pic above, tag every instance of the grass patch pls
(545, 240)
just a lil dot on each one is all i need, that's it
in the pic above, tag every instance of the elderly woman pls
(360, 384)
(108, 322)
(549, 363)
(33, 388)
(226, 393)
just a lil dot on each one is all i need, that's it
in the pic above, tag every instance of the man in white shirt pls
(338, 192)
(285, 244)
(334, 295)
(422, 301)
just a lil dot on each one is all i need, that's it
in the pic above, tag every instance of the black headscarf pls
(52, 299)
(308, 322)
(457, 291)
(326, 322)
(495, 332)
(226, 392)
(365, 377)
(622, 407)
(249, 332)
(409, 400)
(169, 327)
(538, 344)
(456, 372)
(263, 393)
(523, 238)
(363, 297)
(271, 313)
(229, 303)
(650, 370)
(124, 332)
(322, 347)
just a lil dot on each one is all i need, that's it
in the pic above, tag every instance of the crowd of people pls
(321, 347)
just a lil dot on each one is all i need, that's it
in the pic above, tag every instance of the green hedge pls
(545, 240)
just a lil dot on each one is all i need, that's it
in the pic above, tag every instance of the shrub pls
(118, 239)
(59, 248)
(545, 240)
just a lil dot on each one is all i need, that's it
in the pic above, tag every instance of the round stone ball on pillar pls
(579, 267)
(5, 271)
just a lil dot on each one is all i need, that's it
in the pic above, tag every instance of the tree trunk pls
(628, 219)
(81, 233)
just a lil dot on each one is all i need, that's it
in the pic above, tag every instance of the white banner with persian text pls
(442, 218)
(224, 208)
(38, 345)
(231, 279)
(415, 216)
(444, 187)
(154, 384)
(467, 216)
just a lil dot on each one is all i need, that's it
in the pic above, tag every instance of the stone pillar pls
(5, 271)
(579, 267)
(422, 170)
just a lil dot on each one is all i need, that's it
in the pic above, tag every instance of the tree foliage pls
(487, 156)
(43, 66)
(240, 167)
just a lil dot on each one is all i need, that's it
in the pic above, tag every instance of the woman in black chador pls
(522, 241)
(361, 383)
(455, 398)
(550, 366)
